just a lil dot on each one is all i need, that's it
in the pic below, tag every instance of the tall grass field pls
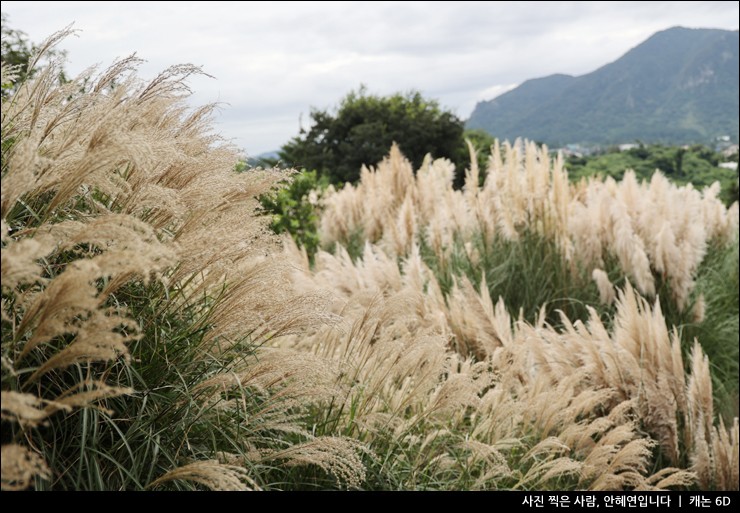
(522, 333)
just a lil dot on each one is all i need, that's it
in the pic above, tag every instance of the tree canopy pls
(364, 127)
(695, 164)
(16, 51)
(15, 47)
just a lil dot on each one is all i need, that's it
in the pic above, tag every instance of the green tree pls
(364, 127)
(17, 51)
(696, 164)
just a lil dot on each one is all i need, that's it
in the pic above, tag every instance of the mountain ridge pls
(678, 86)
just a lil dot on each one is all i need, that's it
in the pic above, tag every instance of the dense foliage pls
(364, 126)
(293, 208)
(696, 164)
(19, 52)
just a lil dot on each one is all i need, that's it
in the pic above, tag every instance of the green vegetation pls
(482, 143)
(15, 47)
(718, 286)
(17, 51)
(696, 164)
(294, 208)
(363, 128)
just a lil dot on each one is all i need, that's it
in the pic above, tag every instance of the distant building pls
(728, 165)
(730, 150)
(572, 150)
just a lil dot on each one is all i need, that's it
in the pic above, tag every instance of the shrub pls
(295, 209)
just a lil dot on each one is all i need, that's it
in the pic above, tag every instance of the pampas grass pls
(586, 402)
(524, 191)
(156, 336)
(522, 417)
(136, 276)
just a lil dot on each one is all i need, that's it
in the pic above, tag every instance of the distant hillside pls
(266, 159)
(679, 86)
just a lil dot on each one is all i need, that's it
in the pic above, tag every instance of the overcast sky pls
(273, 61)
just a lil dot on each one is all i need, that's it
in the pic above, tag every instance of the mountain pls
(265, 159)
(679, 86)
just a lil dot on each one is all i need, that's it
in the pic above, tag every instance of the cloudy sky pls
(273, 61)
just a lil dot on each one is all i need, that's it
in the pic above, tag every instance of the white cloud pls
(275, 60)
